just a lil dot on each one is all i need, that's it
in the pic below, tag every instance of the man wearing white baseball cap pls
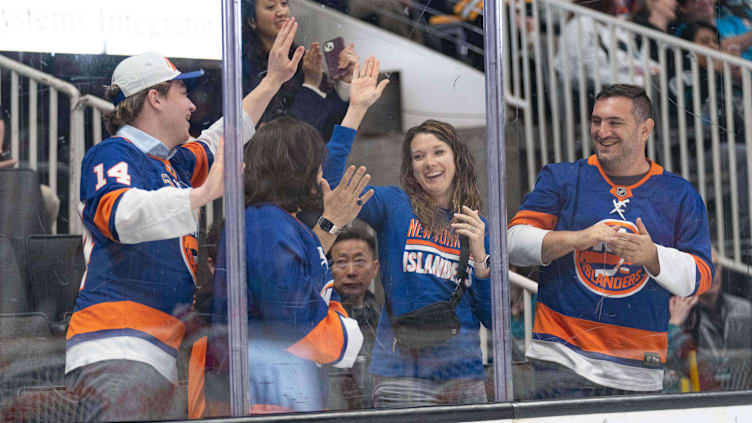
(140, 194)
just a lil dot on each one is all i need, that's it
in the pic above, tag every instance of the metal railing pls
(32, 84)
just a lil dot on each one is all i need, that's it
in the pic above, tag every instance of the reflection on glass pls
(418, 357)
(598, 226)
(607, 320)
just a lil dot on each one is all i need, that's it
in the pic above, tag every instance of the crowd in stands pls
(385, 311)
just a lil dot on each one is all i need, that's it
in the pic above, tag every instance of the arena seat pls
(56, 266)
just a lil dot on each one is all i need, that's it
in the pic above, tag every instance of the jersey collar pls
(145, 142)
(623, 192)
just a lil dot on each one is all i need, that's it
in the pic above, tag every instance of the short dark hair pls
(360, 234)
(282, 163)
(642, 107)
(689, 31)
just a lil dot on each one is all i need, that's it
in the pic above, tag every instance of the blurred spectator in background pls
(735, 34)
(657, 15)
(584, 39)
(6, 160)
(49, 198)
(714, 326)
(392, 15)
(705, 34)
(309, 95)
(354, 266)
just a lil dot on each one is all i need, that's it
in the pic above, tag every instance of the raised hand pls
(312, 70)
(280, 67)
(346, 63)
(364, 89)
(343, 204)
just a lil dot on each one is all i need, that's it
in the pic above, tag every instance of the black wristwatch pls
(486, 263)
(328, 226)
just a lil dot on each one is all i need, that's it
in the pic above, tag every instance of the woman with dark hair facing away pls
(418, 227)
(308, 96)
(657, 15)
(296, 322)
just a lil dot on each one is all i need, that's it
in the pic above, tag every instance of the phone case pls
(332, 50)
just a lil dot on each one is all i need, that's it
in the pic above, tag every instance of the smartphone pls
(332, 50)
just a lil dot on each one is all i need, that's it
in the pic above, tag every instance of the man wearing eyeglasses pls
(354, 266)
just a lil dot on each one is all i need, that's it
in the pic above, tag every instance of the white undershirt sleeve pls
(315, 89)
(165, 213)
(525, 243)
(678, 271)
(210, 136)
(354, 342)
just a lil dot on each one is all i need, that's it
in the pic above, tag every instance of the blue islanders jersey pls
(141, 249)
(417, 269)
(601, 316)
(296, 322)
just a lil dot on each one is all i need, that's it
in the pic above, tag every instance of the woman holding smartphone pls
(418, 227)
(308, 96)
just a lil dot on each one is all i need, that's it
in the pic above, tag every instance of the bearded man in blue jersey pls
(615, 235)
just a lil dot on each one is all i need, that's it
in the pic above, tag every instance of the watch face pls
(326, 224)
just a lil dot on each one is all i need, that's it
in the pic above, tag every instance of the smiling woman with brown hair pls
(418, 227)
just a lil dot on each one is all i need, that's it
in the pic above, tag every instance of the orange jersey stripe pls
(337, 306)
(538, 219)
(127, 315)
(432, 244)
(615, 341)
(706, 276)
(324, 343)
(196, 366)
(104, 211)
(201, 170)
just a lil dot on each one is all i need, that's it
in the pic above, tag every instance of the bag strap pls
(461, 276)
(456, 296)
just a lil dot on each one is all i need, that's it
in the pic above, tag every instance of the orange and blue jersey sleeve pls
(285, 286)
(287, 298)
(192, 161)
(541, 206)
(693, 238)
(108, 170)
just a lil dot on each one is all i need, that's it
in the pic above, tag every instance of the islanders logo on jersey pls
(607, 274)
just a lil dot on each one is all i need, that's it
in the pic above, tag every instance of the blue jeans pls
(400, 392)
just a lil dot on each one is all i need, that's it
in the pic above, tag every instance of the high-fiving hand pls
(280, 67)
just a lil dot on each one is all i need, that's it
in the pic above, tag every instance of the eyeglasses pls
(342, 263)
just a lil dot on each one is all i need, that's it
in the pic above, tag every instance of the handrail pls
(523, 282)
(78, 104)
(39, 76)
(96, 103)
(652, 33)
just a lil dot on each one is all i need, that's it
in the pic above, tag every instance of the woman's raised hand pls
(346, 62)
(312, 70)
(280, 67)
(365, 88)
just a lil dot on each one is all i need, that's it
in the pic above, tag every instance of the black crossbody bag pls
(435, 323)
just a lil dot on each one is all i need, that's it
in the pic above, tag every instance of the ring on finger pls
(359, 202)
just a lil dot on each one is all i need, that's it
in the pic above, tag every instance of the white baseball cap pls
(137, 73)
